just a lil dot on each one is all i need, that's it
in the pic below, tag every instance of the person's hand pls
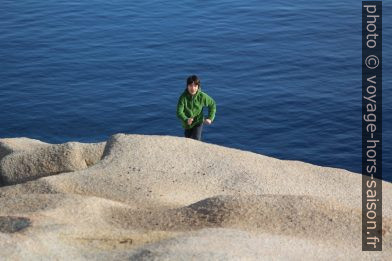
(190, 120)
(207, 121)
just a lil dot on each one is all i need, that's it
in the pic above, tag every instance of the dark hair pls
(193, 79)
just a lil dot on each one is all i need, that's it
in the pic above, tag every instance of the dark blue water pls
(286, 75)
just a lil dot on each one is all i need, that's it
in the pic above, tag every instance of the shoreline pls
(168, 197)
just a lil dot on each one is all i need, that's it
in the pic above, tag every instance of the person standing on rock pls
(190, 108)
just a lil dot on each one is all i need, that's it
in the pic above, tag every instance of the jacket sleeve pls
(180, 109)
(211, 107)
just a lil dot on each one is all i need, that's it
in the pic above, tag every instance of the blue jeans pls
(195, 132)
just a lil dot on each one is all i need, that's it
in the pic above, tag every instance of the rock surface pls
(150, 197)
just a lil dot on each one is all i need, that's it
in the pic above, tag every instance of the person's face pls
(192, 88)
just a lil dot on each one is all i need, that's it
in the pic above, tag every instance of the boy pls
(190, 108)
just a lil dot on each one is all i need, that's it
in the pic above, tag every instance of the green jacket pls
(189, 106)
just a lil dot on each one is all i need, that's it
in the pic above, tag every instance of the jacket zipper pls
(192, 104)
(192, 101)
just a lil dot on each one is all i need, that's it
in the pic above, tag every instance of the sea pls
(285, 75)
